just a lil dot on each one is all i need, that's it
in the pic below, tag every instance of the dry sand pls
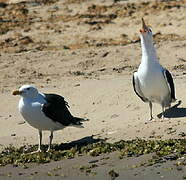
(87, 51)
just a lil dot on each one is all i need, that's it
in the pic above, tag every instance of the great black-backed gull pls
(152, 83)
(45, 111)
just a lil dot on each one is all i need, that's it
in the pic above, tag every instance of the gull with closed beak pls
(45, 112)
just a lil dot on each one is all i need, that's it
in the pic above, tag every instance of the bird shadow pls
(174, 111)
(77, 143)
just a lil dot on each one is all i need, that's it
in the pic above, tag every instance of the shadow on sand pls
(78, 143)
(174, 112)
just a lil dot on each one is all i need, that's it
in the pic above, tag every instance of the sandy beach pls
(87, 52)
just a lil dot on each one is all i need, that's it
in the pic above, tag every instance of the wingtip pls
(86, 119)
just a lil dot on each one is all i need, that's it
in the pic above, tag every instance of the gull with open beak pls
(152, 83)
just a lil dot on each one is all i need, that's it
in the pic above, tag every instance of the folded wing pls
(137, 89)
(56, 108)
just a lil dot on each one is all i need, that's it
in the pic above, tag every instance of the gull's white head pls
(146, 33)
(27, 91)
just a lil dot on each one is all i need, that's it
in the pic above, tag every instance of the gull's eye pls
(28, 88)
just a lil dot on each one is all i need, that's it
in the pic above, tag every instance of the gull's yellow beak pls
(144, 26)
(16, 92)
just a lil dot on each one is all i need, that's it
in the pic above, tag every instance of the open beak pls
(16, 92)
(144, 26)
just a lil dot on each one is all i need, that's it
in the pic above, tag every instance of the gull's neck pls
(148, 52)
(30, 98)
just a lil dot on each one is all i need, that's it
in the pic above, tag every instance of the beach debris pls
(25, 40)
(179, 168)
(93, 161)
(111, 132)
(181, 162)
(25, 17)
(113, 174)
(21, 122)
(76, 85)
(171, 157)
(171, 149)
(170, 130)
(182, 134)
(114, 116)
(88, 169)
(105, 54)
